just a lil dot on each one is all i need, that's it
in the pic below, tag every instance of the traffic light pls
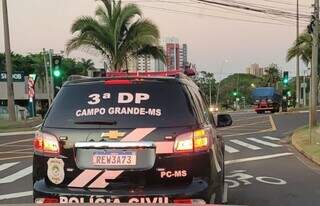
(57, 73)
(285, 78)
(235, 94)
(56, 60)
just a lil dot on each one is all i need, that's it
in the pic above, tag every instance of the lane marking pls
(30, 152)
(257, 158)
(264, 142)
(17, 133)
(17, 157)
(244, 144)
(18, 141)
(18, 145)
(7, 165)
(271, 138)
(248, 133)
(18, 151)
(230, 150)
(11, 178)
(273, 125)
(16, 195)
(244, 125)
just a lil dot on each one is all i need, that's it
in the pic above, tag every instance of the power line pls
(286, 3)
(254, 9)
(249, 14)
(214, 16)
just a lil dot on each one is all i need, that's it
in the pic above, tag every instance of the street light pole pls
(210, 92)
(298, 96)
(314, 70)
(218, 90)
(10, 93)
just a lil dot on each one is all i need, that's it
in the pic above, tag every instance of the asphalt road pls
(261, 167)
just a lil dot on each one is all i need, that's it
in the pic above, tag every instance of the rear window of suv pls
(147, 103)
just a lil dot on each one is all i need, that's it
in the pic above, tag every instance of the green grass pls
(9, 126)
(301, 140)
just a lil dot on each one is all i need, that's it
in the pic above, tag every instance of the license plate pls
(105, 158)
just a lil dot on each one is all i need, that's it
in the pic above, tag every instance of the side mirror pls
(224, 120)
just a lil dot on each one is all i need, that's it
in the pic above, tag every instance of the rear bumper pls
(198, 189)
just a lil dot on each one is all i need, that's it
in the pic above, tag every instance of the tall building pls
(184, 56)
(176, 54)
(144, 63)
(255, 69)
(173, 56)
(176, 58)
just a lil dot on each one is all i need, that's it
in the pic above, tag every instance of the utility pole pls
(47, 77)
(298, 96)
(210, 92)
(314, 70)
(51, 73)
(10, 93)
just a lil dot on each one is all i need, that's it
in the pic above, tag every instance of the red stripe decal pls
(137, 134)
(101, 182)
(83, 179)
(164, 147)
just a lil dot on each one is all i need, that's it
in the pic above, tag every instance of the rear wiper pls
(97, 122)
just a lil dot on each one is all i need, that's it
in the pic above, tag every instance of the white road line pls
(244, 144)
(230, 150)
(257, 158)
(271, 138)
(16, 133)
(264, 142)
(16, 176)
(7, 165)
(16, 195)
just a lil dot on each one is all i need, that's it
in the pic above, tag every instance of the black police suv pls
(129, 139)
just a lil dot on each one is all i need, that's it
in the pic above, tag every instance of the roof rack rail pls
(77, 77)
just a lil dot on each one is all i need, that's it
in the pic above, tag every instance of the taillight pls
(197, 140)
(46, 144)
(190, 201)
(46, 200)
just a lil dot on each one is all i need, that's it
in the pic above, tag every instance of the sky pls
(215, 44)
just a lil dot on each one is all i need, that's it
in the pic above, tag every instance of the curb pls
(299, 148)
(16, 133)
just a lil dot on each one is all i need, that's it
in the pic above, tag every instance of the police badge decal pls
(55, 170)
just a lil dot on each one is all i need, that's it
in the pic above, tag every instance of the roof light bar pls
(171, 73)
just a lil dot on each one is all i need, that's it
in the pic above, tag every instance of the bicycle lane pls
(279, 181)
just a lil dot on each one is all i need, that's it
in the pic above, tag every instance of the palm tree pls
(117, 33)
(272, 76)
(302, 47)
(87, 63)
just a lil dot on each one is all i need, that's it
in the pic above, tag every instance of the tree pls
(204, 80)
(272, 76)
(87, 63)
(241, 84)
(302, 47)
(117, 33)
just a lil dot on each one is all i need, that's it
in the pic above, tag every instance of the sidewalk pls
(19, 126)
(300, 140)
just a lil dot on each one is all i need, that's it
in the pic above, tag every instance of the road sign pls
(16, 76)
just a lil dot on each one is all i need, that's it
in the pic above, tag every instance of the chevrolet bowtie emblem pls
(113, 134)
